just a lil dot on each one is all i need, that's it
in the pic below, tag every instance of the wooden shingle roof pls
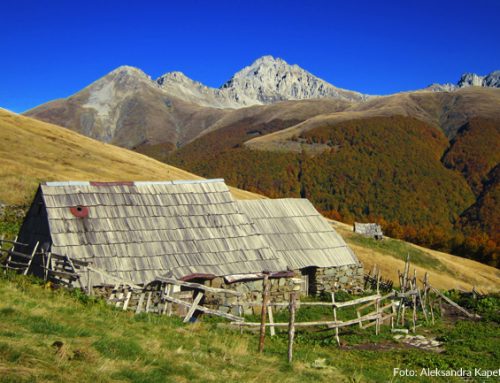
(302, 236)
(141, 230)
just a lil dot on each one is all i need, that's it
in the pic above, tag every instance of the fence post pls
(291, 327)
(335, 318)
(265, 295)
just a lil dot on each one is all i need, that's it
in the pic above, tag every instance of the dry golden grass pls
(457, 272)
(32, 151)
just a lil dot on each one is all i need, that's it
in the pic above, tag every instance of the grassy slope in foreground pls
(32, 151)
(101, 344)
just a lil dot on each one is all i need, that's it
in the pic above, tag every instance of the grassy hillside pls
(32, 151)
(57, 336)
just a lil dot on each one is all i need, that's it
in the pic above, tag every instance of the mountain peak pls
(269, 79)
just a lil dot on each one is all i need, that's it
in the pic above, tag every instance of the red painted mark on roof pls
(117, 183)
(79, 211)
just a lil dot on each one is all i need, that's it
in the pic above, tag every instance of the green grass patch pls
(399, 250)
(119, 348)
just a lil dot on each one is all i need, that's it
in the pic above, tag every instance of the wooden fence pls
(169, 296)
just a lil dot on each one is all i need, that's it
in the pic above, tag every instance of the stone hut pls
(307, 243)
(371, 230)
(137, 231)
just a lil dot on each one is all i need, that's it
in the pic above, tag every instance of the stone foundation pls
(279, 291)
(349, 278)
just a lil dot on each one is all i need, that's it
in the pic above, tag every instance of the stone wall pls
(349, 278)
(279, 291)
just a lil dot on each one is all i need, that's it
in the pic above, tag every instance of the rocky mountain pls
(268, 80)
(491, 80)
(127, 108)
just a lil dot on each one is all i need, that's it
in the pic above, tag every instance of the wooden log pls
(335, 319)
(329, 324)
(234, 318)
(140, 303)
(18, 265)
(198, 286)
(62, 258)
(114, 278)
(113, 292)
(272, 330)
(383, 318)
(193, 307)
(31, 259)
(265, 297)
(63, 274)
(458, 307)
(148, 302)
(167, 309)
(291, 327)
(127, 300)
(119, 299)
(14, 242)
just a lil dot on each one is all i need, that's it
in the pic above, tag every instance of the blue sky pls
(52, 49)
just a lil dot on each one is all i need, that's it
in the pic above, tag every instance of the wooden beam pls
(330, 324)
(265, 297)
(192, 309)
(140, 303)
(460, 308)
(198, 286)
(206, 310)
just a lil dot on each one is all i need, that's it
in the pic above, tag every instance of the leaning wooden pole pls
(263, 314)
(291, 326)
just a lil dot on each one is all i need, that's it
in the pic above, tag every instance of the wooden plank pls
(192, 309)
(206, 310)
(31, 259)
(14, 242)
(119, 299)
(330, 324)
(272, 330)
(265, 297)
(75, 271)
(335, 319)
(16, 253)
(113, 292)
(63, 274)
(127, 300)
(115, 279)
(75, 262)
(291, 327)
(197, 286)
(140, 303)
(383, 318)
(168, 306)
(356, 301)
(18, 264)
(148, 302)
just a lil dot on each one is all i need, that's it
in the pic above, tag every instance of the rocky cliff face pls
(266, 81)
(491, 80)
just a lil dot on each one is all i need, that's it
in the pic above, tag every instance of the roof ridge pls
(131, 183)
